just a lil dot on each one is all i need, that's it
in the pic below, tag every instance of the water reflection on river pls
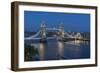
(57, 50)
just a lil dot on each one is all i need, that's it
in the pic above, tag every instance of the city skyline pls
(74, 22)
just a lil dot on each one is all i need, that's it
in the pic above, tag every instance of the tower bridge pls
(62, 35)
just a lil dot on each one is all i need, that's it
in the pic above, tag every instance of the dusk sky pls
(74, 22)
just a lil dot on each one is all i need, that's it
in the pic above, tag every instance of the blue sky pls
(74, 22)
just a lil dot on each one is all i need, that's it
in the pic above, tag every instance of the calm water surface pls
(57, 50)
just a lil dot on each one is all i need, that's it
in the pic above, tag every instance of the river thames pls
(59, 50)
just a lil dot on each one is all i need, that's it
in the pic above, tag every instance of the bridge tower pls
(43, 32)
(61, 31)
(78, 36)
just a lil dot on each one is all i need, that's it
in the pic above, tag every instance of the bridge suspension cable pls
(33, 36)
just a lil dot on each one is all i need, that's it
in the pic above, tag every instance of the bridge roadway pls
(65, 38)
(39, 38)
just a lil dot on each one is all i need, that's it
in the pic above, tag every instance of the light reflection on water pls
(60, 49)
(55, 50)
(41, 50)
